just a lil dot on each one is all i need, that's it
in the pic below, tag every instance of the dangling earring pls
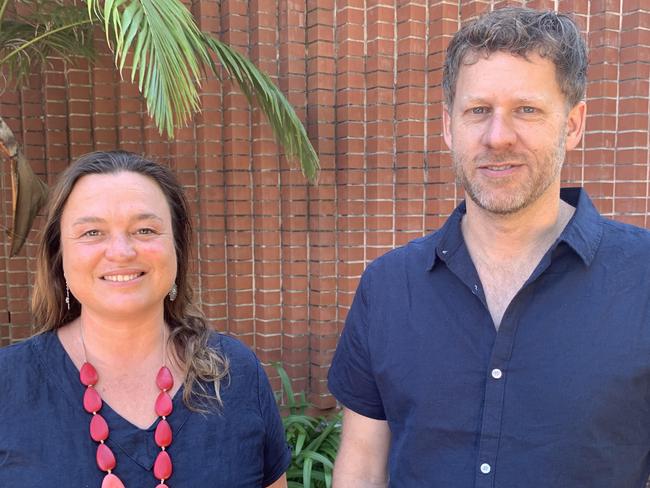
(173, 293)
(67, 296)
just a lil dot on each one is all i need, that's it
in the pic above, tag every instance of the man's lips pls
(498, 167)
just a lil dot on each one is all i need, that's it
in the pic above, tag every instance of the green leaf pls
(305, 420)
(306, 473)
(131, 25)
(108, 17)
(328, 478)
(320, 458)
(300, 441)
(141, 59)
(286, 385)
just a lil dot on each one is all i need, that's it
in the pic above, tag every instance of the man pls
(511, 348)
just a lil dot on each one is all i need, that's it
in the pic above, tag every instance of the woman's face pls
(117, 243)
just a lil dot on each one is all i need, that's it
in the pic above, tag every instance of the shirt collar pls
(582, 234)
(584, 231)
(450, 237)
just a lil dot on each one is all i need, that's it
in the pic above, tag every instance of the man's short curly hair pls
(521, 31)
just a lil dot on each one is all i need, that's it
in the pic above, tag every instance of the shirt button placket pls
(494, 392)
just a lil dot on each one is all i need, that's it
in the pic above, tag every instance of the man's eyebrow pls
(532, 100)
(471, 100)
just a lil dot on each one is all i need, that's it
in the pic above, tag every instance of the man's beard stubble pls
(529, 191)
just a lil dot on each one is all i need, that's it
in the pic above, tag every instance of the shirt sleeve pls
(277, 454)
(351, 379)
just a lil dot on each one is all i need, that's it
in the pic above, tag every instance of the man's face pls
(508, 131)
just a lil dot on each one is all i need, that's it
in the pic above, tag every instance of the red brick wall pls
(277, 261)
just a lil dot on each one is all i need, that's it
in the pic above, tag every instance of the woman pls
(126, 385)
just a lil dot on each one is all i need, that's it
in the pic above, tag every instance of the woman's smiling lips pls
(122, 277)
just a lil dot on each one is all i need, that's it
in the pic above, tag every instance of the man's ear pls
(446, 125)
(575, 125)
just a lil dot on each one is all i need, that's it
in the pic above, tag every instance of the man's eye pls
(528, 110)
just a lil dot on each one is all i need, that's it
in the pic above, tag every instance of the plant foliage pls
(166, 52)
(170, 55)
(314, 440)
(257, 86)
(42, 29)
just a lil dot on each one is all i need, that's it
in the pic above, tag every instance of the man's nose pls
(500, 132)
(120, 246)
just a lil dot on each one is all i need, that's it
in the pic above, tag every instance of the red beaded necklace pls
(92, 401)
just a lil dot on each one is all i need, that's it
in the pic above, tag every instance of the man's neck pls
(524, 233)
(505, 249)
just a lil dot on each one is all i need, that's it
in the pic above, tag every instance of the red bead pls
(165, 380)
(88, 375)
(163, 404)
(105, 457)
(162, 468)
(112, 481)
(163, 434)
(92, 400)
(98, 428)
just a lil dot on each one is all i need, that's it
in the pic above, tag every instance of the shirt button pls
(497, 373)
(485, 468)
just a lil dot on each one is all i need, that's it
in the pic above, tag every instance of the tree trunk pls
(28, 192)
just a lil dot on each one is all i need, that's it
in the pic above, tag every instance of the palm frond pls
(170, 54)
(257, 86)
(3, 8)
(51, 30)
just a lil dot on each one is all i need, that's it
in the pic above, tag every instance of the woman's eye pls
(91, 233)
(145, 231)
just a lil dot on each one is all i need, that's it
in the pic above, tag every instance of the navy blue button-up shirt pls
(558, 397)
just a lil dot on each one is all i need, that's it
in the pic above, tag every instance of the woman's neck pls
(118, 343)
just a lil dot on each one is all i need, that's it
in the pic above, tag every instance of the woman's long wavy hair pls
(189, 331)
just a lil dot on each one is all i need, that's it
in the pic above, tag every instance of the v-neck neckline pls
(137, 443)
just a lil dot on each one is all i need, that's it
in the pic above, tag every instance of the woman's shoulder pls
(243, 364)
(22, 352)
(232, 348)
(22, 364)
